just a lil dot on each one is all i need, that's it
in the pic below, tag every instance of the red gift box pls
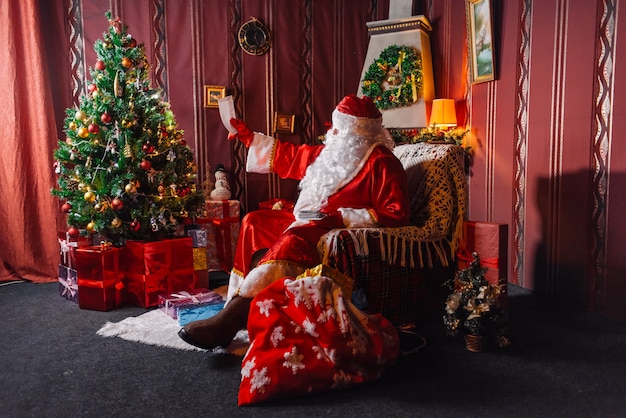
(100, 284)
(222, 224)
(201, 278)
(490, 241)
(155, 268)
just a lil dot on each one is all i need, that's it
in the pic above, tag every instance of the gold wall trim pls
(521, 140)
(603, 134)
(159, 25)
(77, 48)
(490, 147)
(197, 71)
(238, 150)
(556, 144)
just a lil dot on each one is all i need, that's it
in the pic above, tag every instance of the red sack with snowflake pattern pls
(305, 337)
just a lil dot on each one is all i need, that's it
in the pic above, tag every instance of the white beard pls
(339, 162)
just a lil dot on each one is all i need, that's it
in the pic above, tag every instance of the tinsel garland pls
(430, 134)
(394, 79)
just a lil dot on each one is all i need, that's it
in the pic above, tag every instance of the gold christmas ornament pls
(116, 223)
(90, 196)
(83, 132)
(80, 115)
(128, 151)
(91, 227)
(72, 125)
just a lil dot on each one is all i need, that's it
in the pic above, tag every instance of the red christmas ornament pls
(100, 66)
(93, 128)
(145, 165)
(135, 225)
(148, 148)
(66, 207)
(117, 204)
(132, 43)
(92, 88)
(105, 118)
(73, 232)
(183, 142)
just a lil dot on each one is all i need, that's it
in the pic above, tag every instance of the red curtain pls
(29, 214)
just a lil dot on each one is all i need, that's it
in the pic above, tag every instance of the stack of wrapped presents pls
(145, 273)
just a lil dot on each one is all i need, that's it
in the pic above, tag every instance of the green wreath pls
(394, 79)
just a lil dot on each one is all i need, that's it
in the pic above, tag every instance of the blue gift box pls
(198, 303)
(190, 313)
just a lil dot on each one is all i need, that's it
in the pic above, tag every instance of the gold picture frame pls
(212, 94)
(480, 40)
(284, 123)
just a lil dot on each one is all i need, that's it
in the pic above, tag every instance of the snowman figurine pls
(222, 188)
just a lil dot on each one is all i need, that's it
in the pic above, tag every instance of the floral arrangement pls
(473, 307)
(394, 79)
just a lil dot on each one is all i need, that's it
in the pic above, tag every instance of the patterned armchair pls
(400, 272)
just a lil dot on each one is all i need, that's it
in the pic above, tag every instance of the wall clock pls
(254, 37)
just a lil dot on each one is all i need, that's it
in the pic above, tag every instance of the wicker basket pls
(475, 343)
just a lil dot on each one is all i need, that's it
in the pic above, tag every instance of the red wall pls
(316, 56)
(545, 158)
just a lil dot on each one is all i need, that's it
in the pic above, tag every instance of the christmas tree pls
(124, 169)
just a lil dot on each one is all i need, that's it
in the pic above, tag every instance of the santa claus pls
(353, 180)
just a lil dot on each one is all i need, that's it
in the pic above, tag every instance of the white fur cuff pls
(357, 218)
(260, 154)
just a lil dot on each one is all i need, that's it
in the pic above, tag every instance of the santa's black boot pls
(220, 329)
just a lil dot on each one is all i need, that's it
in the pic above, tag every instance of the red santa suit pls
(354, 180)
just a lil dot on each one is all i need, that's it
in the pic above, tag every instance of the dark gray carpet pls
(52, 364)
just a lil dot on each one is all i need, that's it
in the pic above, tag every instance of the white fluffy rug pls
(157, 328)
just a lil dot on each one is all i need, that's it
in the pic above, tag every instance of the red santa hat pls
(357, 115)
(360, 107)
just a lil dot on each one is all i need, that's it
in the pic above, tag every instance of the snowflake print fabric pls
(305, 337)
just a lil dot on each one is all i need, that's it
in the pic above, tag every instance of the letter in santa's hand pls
(227, 112)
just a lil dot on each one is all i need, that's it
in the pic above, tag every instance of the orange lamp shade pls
(443, 113)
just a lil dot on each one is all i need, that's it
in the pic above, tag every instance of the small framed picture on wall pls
(284, 123)
(480, 40)
(212, 94)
